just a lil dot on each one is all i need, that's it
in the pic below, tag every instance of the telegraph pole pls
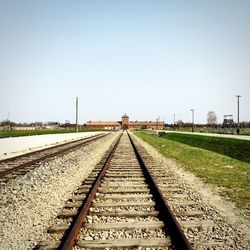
(9, 119)
(174, 121)
(238, 102)
(238, 105)
(157, 120)
(192, 119)
(77, 114)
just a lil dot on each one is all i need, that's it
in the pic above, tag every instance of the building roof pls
(146, 123)
(125, 116)
(116, 123)
(107, 123)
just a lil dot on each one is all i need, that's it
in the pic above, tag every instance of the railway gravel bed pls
(30, 202)
(226, 226)
(20, 165)
(13, 146)
(35, 203)
(123, 210)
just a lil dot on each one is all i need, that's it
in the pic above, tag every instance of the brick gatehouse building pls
(125, 124)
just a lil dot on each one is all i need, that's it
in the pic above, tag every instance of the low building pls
(103, 125)
(124, 124)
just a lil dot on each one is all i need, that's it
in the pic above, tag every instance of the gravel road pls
(239, 137)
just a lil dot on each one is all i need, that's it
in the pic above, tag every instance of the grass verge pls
(214, 131)
(229, 174)
(235, 148)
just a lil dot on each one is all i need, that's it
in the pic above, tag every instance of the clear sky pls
(145, 58)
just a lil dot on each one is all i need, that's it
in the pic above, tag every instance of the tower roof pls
(125, 116)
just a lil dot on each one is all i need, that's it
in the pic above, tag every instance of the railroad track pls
(18, 165)
(119, 206)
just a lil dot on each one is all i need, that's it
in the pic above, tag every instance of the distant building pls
(228, 121)
(124, 124)
(103, 125)
(67, 125)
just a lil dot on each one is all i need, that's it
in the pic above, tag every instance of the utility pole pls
(157, 120)
(77, 114)
(9, 119)
(238, 120)
(174, 121)
(238, 102)
(192, 119)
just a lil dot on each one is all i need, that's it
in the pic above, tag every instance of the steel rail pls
(29, 163)
(69, 240)
(176, 233)
(44, 149)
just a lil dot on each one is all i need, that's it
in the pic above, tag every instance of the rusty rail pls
(69, 241)
(177, 235)
(29, 163)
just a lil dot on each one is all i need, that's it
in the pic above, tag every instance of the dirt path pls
(239, 137)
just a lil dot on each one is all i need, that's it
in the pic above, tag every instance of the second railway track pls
(119, 206)
(21, 164)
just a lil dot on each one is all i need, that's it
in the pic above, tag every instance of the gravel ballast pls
(230, 224)
(13, 146)
(29, 203)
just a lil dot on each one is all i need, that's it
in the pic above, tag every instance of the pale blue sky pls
(145, 58)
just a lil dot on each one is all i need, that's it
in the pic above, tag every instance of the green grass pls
(16, 133)
(235, 148)
(229, 174)
(214, 130)
(245, 132)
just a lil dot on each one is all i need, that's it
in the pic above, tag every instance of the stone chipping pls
(230, 225)
(30, 202)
